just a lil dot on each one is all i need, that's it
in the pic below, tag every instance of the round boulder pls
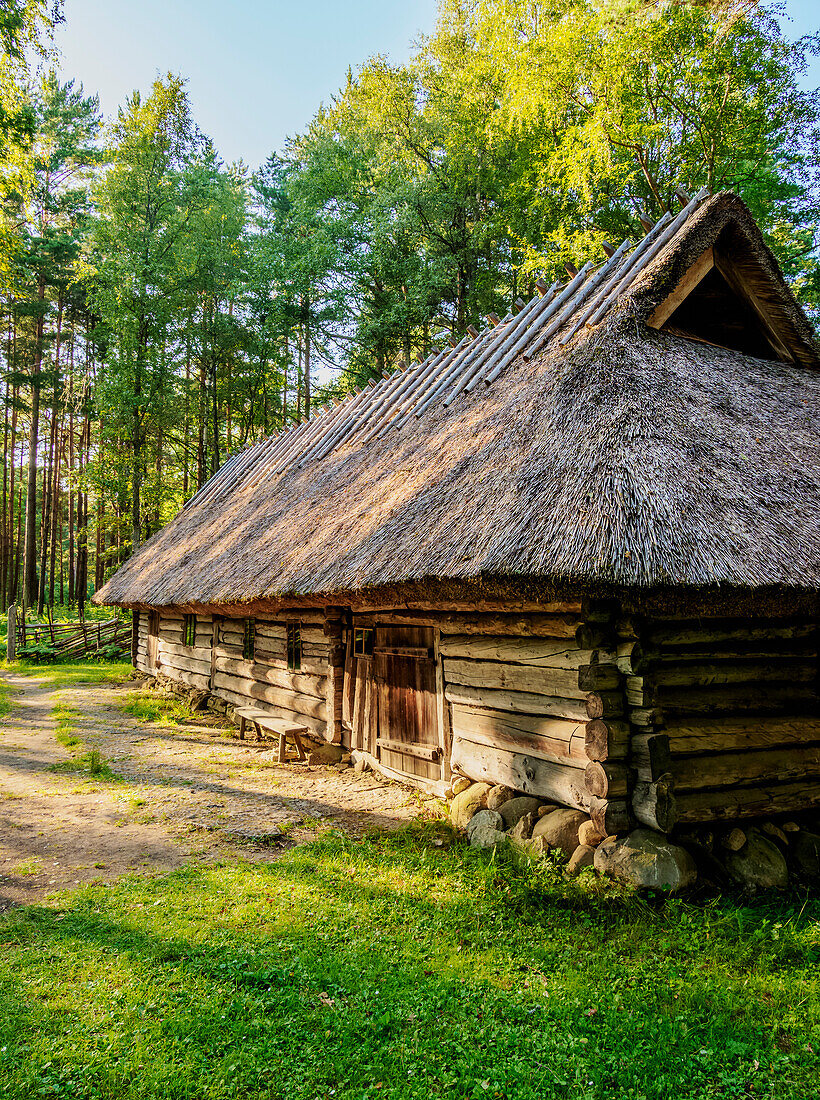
(759, 863)
(583, 856)
(514, 810)
(498, 796)
(646, 858)
(484, 819)
(560, 829)
(485, 837)
(805, 855)
(465, 805)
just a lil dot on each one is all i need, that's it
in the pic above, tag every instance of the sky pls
(257, 70)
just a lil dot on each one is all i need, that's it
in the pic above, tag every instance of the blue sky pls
(257, 69)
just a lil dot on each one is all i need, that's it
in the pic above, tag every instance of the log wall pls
(725, 711)
(216, 663)
(141, 654)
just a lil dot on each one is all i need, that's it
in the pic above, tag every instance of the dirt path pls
(187, 792)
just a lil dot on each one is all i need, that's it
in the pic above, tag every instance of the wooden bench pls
(286, 731)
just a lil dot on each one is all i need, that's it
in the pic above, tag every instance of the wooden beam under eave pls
(695, 274)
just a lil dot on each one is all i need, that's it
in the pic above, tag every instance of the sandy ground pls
(188, 792)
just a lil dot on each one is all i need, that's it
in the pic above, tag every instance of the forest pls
(161, 308)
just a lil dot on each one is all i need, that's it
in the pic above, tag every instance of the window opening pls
(363, 638)
(189, 635)
(294, 645)
(249, 640)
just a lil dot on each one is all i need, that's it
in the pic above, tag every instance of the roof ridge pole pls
(249, 457)
(520, 332)
(462, 364)
(475, 366)
(315, 429)
(285, 443)
(585, 291)
(530, 334)
(379, 408)
(382, 422)
(343, 413)
(647, 254)
(221, 473)
(351, 421)
(601, 291)
(425, 385)
(348, 424)
(519, 324)
(406, 398)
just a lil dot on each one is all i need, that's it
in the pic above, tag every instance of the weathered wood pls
(759, 800)
(533, 625)
(238, 700)
(654, 803)
(443, 709)
(646, 718)
(538, 735)
(521, 772)
(517, 702)
(192, 679)
(500, 677)
(723, 698)
(597, 677)
(726, 734)
(275, 696)
(475, 609)
(532, 651)
(687, 283)
(650, 755)
(287, 679)
(703, 632)
(275, 631)
(764, 766)
(703, 674)
(605, 704)
(431, 753)
(196, 653)
(405, 672)
(594, 636)
(609, 780)
(610, 816)
(606, 740)
(186, 664)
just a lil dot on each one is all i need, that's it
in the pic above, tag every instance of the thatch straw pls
(633, 457)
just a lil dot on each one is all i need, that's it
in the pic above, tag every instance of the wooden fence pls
(76, 639)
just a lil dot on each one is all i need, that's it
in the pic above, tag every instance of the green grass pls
(93, 764)
(405, 966)
(147, 707)
(5, 698)
(65, 718)
(98, 672)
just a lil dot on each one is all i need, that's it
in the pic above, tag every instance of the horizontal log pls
(723, 698)
(655, 804)
(609, 780)
(275, 696)
(200, 653)
(597, 677)
(726, 734)
(610, 816)
(187, 664)
(315, 686)
(407, 748)
(276, 630)
(650, 755)
(646, 718)
(517, 702)
(543, 652)
(605, 704)
(192, 679)
(769, 765)
(447, 608)
(521, 772)
(501, 677)
(237, 699)
(606, 740)
(537, 625)
(547, 738)
(723, 630)
(759, 800)
(594, 636)
(686, 674)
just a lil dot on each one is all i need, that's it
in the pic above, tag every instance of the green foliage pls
(75, 672)
(147, 707)
(91, 764)
(405, 965)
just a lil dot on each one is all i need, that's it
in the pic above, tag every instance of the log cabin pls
(576, 552)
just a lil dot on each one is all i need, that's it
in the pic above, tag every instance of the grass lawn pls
(78, 672)
(405, 965)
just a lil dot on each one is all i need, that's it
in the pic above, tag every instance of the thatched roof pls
(574, 443)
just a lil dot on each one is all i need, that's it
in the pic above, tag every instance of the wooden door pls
(404, 668)
(153, 639)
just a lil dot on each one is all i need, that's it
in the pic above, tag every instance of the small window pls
(189, 633)
(294, 645)
(249, 640)
(363, 642)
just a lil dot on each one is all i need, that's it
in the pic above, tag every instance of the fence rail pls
(66, 639)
